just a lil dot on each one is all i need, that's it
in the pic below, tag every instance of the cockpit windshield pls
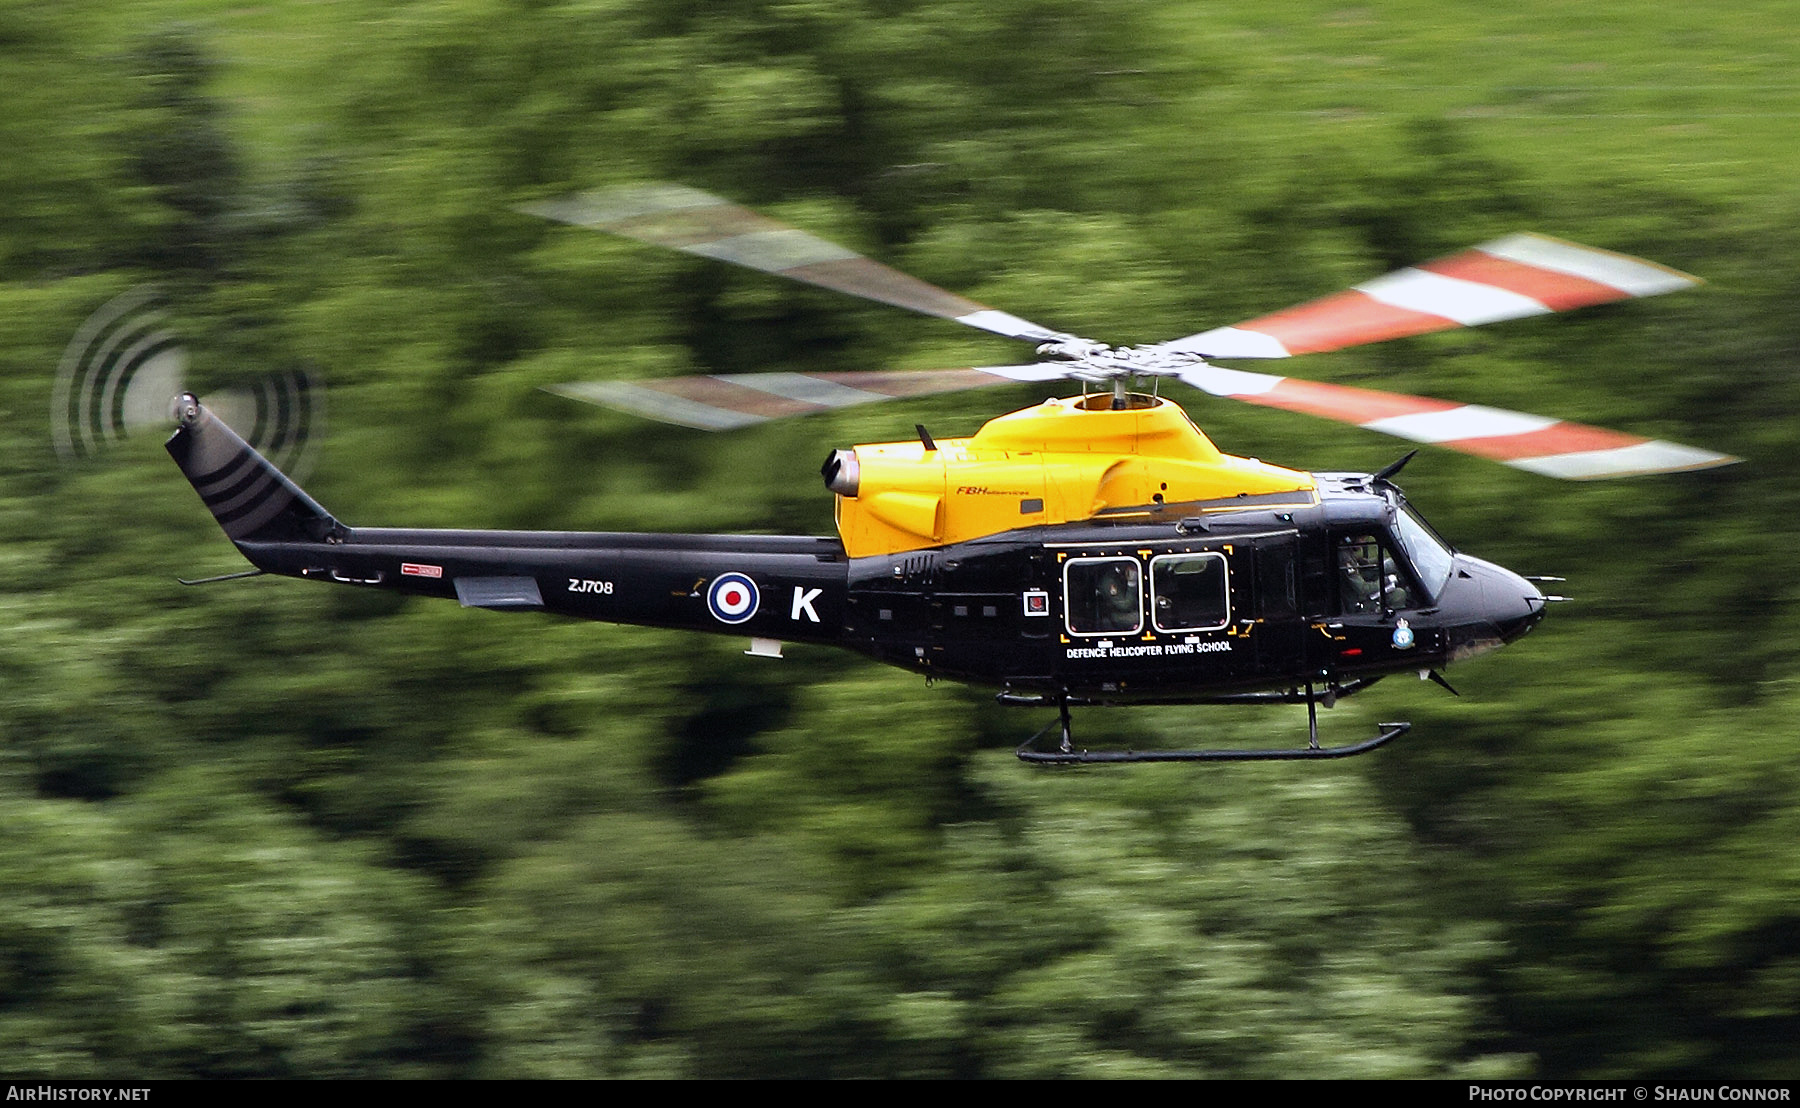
(1431, 558)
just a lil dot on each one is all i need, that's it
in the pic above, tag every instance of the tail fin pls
(252, 500)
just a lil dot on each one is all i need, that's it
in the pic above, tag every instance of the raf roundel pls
(732, 598)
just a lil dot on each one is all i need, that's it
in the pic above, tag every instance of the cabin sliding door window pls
(1103, 596)
(1189, 592)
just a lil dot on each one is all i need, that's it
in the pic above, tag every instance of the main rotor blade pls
(724, 401)
(700, 223)
(1540, 444)
(1509, 278)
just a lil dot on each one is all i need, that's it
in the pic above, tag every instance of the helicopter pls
(1091, 550)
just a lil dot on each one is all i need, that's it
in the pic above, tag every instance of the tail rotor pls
(127, 362)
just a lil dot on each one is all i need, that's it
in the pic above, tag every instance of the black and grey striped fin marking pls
(249, 497)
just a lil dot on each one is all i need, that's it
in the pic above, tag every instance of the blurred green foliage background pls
(265, 829)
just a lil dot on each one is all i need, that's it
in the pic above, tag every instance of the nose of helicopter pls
(1489, 606)
(1514, 604)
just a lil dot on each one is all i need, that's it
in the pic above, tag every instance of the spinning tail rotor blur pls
(126, 364)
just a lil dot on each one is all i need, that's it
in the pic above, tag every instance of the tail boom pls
(766, 586)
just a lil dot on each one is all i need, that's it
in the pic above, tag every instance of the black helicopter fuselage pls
(1189, 603)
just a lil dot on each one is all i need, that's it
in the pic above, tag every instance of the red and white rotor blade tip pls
(699, 223)
(721, 402)
(1540, 444)
(1509, 278)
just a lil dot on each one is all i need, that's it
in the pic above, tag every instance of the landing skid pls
(1066, 753)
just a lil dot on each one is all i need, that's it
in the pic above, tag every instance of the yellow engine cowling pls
(1061, 461)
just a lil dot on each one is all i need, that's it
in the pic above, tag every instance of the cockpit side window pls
(1103, 596)
(1371, 580)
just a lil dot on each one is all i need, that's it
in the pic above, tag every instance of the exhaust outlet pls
(842, 473)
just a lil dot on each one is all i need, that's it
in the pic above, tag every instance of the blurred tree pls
(176, 143)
